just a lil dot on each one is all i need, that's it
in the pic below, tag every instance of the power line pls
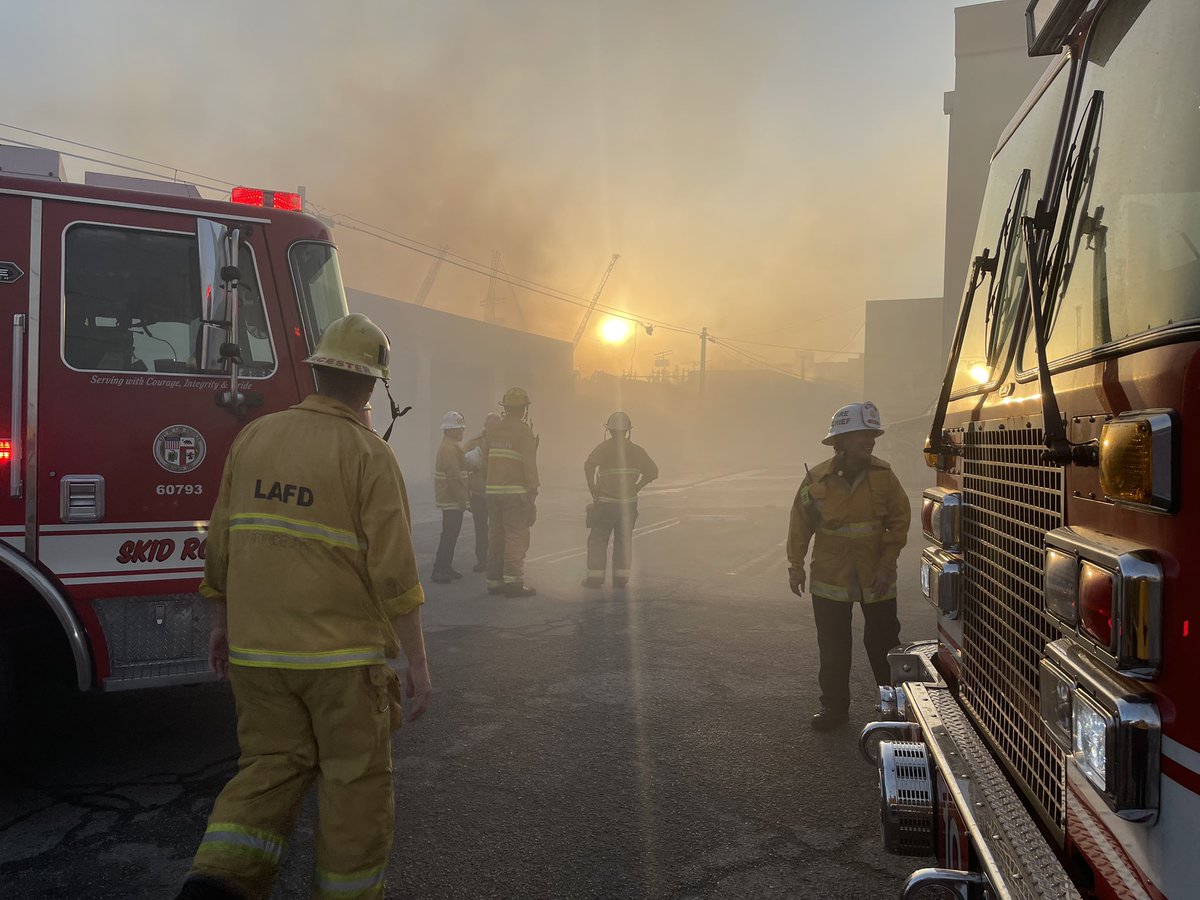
(755, 359)
(783, 346)
(343, 220)
(177, 171)
(809, 324)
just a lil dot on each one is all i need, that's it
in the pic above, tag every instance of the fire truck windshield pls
(1010, 195)
(318, 285)
(1131, 242)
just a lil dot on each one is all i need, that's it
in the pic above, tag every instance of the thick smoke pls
(728, 152)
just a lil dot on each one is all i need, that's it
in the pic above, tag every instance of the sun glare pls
(615, 331)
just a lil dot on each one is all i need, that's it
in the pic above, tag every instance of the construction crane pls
(595, 299)
(427, 284)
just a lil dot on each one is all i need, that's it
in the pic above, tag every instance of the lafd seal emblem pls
(179, 448)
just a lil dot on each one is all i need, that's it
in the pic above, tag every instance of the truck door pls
(132, 439)
(15, 280)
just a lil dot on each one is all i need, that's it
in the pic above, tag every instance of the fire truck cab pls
(146, 327)
(1047, 744)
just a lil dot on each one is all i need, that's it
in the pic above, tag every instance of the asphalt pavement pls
(651, 742)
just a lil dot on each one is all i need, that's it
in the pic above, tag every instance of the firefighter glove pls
(796, 580)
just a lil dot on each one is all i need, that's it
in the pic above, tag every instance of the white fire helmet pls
(855, 417)
(453, 420)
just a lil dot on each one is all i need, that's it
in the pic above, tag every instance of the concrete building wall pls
(441, 361)
(993, 75)
(904, 363)
(904, 368)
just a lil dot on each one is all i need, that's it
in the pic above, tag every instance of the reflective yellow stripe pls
(298, 528)
(829, 591)
(333, 885)
(603, 499)
(854, 529)
(452, 505)
(328, 659)
(239, 839)
(507, 489)
(506, 454)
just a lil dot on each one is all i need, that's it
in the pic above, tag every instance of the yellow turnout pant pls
(294, 727)
(510, 517)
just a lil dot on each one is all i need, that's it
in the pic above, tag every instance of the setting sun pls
(615, 331)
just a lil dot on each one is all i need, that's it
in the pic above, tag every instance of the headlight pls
(1106, 594)
(1136, 450)
(941, 581)
(1056, 688)
(1110, 728)
(1089, 739)
(941, 517)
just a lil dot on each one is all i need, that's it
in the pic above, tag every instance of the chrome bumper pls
(1016, 860)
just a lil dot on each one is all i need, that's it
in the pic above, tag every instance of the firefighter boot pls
(593, 582)
(201, 888)
(518, 589)
(829, 719)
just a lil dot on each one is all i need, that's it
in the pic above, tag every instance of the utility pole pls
(703, 361)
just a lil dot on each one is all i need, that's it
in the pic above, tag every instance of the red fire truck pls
(1048, 743)
(147, 327)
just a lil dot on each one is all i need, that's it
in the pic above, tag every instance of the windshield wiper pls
(937, 441)
(1036, 230)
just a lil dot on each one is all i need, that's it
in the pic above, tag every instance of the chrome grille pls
(1010, 500)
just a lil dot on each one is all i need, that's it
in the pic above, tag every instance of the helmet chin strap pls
(397, 412)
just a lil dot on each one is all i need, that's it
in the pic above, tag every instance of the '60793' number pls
(167, 490)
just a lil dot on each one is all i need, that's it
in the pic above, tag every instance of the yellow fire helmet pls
(353, 344)
(515, 397)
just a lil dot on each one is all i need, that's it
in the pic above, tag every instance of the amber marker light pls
(1127, 461)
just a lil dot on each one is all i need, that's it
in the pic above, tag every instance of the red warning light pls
(248, 196)
(288, 200)
(5, 451)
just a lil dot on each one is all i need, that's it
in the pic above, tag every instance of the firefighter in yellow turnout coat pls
(511, 483)
(858, 512)
(312, 581)
(616, 471)
(450, 494)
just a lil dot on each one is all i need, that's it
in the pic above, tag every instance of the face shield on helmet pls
(854, 417)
